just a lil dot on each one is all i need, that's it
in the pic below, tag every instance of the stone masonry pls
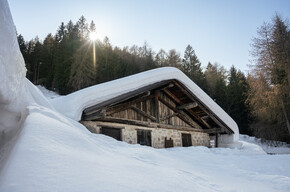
(158, 135)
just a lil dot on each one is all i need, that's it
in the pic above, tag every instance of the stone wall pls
(158, 135)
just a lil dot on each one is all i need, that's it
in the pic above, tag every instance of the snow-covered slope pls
(73, 104)
(271, 147)
(47, 93)
(15, 91)
(55, 153)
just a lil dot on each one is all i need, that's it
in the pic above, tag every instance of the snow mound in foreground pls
(54, 153)
(12, 67)
(16, 92)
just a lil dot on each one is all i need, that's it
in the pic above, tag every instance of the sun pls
(93, 36)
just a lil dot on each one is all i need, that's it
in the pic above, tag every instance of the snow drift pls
(16, 92)
(55, 153)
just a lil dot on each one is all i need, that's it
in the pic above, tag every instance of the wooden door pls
(144, 137)
(186, 140)
(112, 132)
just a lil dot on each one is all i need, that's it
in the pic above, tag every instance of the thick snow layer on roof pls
(73, 104)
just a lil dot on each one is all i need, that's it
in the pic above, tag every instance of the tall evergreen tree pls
(192, 67)
(216, 83)
(237, 95)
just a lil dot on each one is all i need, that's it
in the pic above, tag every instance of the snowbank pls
(47, 93)
(73, 104)
(12, 67)
(16, 92)
(271, 147)
(57, 154)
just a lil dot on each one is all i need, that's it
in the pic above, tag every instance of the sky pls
(220, 31)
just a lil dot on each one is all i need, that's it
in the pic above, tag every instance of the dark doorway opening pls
(168, 143)
(144, 137)
(112, 132)
(186, 140)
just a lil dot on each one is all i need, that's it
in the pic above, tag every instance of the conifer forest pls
(259, 101)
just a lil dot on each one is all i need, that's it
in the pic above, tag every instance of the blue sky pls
(219, 30)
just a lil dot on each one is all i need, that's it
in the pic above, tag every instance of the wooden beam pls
(95, 115)
(127, 105)
(182, 115)
(143, 113)
(212, 116)
(168, 86)
(213, 130)
(147, 124)
(168, 117)
(188, 105)
(156, 105)
(172, 96)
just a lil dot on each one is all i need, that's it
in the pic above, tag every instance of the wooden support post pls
(156, 104)
(216, 139)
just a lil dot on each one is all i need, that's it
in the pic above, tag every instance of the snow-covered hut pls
(159, 108)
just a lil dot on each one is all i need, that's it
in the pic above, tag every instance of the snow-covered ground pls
(47, 93)
(52, 152)
(271, 147)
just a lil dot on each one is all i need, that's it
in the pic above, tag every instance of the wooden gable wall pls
(162, 104)
(147, 111)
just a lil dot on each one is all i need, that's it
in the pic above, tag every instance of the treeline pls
(269, 94)
(70, 60)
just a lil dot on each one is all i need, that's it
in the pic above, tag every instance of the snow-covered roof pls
(74, 104)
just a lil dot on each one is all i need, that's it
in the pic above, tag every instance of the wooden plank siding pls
(137, 110)
(166, 103)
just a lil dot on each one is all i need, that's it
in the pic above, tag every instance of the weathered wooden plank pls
(168, 117)
(148, 124)
(213, 130)
(188, 106)
(156, 105)
(218, 122)
(127, 105)
(143, 113)
(171, 96)
(182, 115)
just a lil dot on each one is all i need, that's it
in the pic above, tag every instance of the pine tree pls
(192, 67)
(237, 95)
(215, 76)
(47, 68)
